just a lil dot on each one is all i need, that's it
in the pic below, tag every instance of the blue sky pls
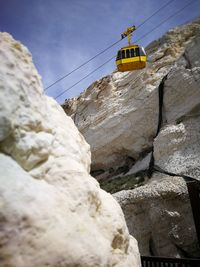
(62, 34)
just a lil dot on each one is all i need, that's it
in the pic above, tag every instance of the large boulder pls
(52, 212)
(159, 215)
(177, 146)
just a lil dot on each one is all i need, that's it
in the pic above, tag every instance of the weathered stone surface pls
(118, 114)
(159, 216)
(177, 147)
(52, 212)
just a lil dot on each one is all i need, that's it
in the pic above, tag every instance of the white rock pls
(42, 225)
(182, 92)
(177, 148)
(160, 217)
(52, 212)
(118, 114)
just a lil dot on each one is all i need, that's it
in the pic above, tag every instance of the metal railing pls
(148, 261)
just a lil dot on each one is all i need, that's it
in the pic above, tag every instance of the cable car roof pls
(130, 46)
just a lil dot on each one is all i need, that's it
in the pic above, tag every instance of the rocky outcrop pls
(52, 212)
(159, 215)
(133, 130)
(161, 209)
(118, 115)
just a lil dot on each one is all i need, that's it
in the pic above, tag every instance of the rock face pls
(159, 215)
(52, 212)
(118, 115)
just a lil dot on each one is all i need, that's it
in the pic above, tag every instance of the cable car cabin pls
(132, 57)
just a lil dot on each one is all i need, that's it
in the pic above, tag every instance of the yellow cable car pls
(131, 57)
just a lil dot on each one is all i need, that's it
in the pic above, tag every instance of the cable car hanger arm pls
(128, 33)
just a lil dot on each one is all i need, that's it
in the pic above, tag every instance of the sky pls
(63, 34)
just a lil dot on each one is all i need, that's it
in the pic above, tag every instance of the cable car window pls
(123, 53)
(137, 52)
(119, 55)
(132, 52)
(142, 52)
(127, 53)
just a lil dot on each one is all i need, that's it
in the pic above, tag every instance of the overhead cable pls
(191, 2)
(104, 50)
(85, 77)
(171, 16)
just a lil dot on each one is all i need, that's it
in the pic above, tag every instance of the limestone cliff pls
(119, 117)
(52, 212)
